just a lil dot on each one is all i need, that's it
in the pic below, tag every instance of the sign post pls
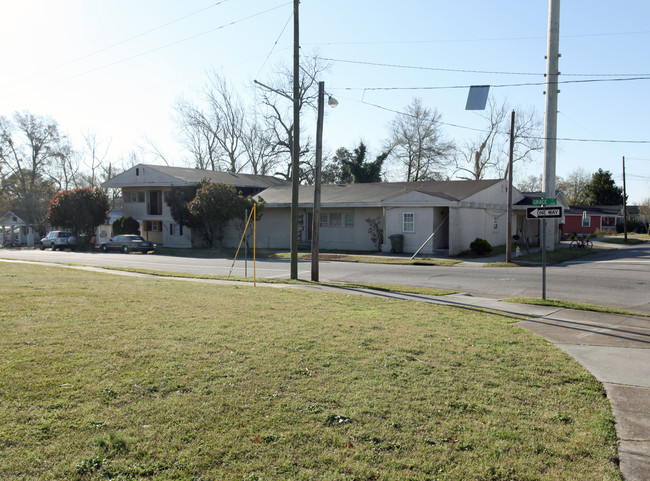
(542, 212)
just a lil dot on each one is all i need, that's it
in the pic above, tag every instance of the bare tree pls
(66, 168)
(276, 97)
(574, 187)
(228, 114)
(95, 153)
(198, 135)
(489, 152)
(532, 183)
(259, 146)
(29, 145)
(416, 142)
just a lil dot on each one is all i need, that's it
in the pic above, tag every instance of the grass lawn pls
(537, 301)
(631, 240)
(106, 377)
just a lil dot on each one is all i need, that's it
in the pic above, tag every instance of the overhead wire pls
(122, 42)
(147, 52)
(562, 139)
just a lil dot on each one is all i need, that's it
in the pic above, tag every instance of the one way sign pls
(543, 212)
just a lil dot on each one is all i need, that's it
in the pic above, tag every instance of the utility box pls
(397, 243)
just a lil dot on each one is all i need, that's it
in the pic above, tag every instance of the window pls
(153, 226)
(337, 219)
(133, 196)
(495, 223)
(408, 222)
(155, 203)
(176, 229)
(609, 221)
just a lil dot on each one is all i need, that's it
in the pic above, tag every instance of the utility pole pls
(624, 203)
(315, 231)
(550, 124)
(509, 209)
(295, 150)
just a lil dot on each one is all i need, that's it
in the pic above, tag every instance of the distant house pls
(16, 231)
(145, 189)
(588, 219)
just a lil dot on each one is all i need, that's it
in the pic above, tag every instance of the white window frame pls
(406, 223)
(495, 223)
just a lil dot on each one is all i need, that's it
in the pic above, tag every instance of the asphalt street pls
(617, 278)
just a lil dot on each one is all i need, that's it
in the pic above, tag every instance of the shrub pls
(633, 225)
(125, 225)
(480, 246)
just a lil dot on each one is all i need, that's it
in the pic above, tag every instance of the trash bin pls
(396, 243)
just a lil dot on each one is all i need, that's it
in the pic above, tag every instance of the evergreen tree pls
(602, 190)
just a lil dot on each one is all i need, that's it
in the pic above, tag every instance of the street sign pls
(544, 201)
(543, 212)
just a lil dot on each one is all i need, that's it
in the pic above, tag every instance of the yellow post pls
(254, 243)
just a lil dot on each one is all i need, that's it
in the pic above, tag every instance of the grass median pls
(104, 377)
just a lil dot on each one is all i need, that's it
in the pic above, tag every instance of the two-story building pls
(145, 189)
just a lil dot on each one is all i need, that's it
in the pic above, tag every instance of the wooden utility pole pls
(295, 150)
(624, 203)
(509, 209)
(315, 231)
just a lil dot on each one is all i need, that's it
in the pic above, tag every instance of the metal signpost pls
(542, 212)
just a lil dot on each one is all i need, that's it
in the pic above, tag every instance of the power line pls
(523, 84)
(275, 44)
(436, 69)
(562, 139)
(486, 72)
(142, 54)
(469, 40)
(109, 47)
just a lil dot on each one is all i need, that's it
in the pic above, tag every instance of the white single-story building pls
(436, 216)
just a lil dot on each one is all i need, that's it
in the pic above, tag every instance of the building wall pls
(468, 223)
(274, 229)
(137, 206)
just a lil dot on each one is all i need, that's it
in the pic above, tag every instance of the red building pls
(587, 219)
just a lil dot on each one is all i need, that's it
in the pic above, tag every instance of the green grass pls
(105, 377)
(621, 240)
(570, 305)
(429, 291)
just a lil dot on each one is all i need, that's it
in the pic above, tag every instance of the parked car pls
(59, 239)
(127, 243)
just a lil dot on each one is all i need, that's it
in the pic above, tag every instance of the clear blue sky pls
(116, 67)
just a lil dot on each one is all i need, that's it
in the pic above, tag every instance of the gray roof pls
(377, 192)
(187, 176)
(608, 210)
